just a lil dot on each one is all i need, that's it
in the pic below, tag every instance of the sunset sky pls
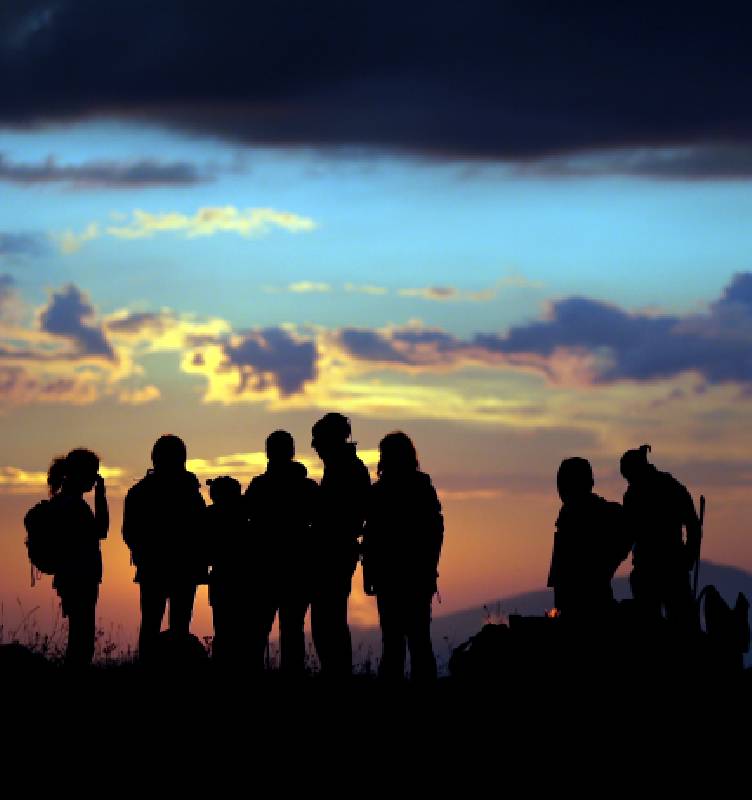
(517, 234)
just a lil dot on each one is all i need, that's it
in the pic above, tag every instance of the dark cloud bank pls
(513, 80)
(70, 315)
(112, 174)
(622, 345)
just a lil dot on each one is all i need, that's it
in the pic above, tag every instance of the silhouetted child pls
(338, 526)
(658, 510)
(163, 519)
(229, 553)
(589, 544)
(401, 547)
(79, 560)
(281, 504)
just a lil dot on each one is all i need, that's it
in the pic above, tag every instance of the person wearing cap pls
(343, 498)
(590, 543)
(666, 530)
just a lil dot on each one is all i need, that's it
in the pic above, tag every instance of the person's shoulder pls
(141, 486)
(670, 483)
(191, 480)
(362, 469)
(607, 505)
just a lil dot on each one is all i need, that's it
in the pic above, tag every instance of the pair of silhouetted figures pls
(657, 522)
(282, 546)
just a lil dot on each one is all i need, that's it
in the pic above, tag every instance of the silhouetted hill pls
(450, 630)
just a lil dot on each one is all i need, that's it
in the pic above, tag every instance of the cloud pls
(305, 287)
(140, 322)
(22, 244)
(15, 480)
(587, 341)
(139, 396)
(271, 357)
(7, 293)
(69, 314)
(247, 465)
(448, 293)
(499, 80)
(210, 220)
(71, 242)
(206, 221)
(697, 162)
(19, 386)
(367, 288)
(621, 345)
(138, 174)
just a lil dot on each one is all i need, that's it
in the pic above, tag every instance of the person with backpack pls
(338, 525)
(163, 526)
(661, 513)
(404, 532)
(229, 555)
(590, 542)
(63, 539)
(281, 504)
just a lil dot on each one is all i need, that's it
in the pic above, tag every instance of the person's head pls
(397, 454)
(169, 454)
(77, 471)
(330, 434)
(280, 447)
(574, 480)
(224, 490)
(634, 464)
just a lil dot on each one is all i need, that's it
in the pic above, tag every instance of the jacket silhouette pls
(590, 542)
(163, 525)
(79, 568)
(281, 504)
(337, 528)
(230, 553)
(402, 542)
(659, 509)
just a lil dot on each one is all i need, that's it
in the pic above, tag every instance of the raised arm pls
(101, 511)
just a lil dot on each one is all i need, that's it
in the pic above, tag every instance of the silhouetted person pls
(590, 542)
(163, 518)
(79, 570)
(401, 546)
(229, 552)
(339, 523)
(658, 509)
(281, 504)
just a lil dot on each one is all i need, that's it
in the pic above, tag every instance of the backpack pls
(42, 539)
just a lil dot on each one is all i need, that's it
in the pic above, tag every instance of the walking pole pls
(697, 563)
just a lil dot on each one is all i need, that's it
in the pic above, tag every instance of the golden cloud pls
(210, 220)
(14, 480)
(207, 221)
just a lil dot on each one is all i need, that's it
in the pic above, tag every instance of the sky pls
(517, 233)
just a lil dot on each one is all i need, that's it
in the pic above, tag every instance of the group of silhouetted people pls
(288, 544)
(657, 523)
(283, 546)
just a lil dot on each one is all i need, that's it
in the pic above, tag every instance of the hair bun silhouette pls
(634, 461)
